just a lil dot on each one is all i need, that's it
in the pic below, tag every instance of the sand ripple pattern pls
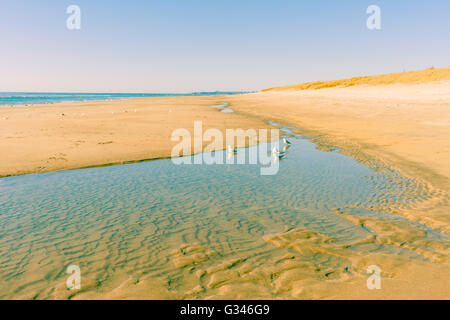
(157, 230)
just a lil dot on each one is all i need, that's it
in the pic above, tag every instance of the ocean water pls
(160, 230)
(30, 98)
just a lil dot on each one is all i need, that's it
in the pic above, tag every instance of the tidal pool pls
(195, 230)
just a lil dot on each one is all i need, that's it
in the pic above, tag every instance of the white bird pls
(277, 154)
(232, 150)
(275, 151)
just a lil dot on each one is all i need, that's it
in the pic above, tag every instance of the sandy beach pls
(402, 126)
(216, 157)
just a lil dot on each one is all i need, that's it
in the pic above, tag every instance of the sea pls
(30, 98)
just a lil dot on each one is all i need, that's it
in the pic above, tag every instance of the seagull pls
(275, 151)
(278, 157)
(277, 154)
(232, 150)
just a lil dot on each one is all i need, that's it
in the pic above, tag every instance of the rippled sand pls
(156, 230)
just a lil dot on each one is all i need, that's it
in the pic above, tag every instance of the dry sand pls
(40, 139)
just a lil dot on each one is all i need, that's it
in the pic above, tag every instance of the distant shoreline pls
(51, 98)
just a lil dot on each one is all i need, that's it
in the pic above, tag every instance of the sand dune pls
(414, 77)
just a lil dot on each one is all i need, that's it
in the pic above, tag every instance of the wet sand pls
(158, 230)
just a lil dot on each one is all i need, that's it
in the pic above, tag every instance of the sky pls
(169, 46)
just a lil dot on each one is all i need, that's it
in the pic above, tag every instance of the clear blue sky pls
(206, 45)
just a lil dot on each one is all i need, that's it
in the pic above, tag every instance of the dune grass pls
(413, 77)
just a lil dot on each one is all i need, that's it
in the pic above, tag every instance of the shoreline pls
(150, 95)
